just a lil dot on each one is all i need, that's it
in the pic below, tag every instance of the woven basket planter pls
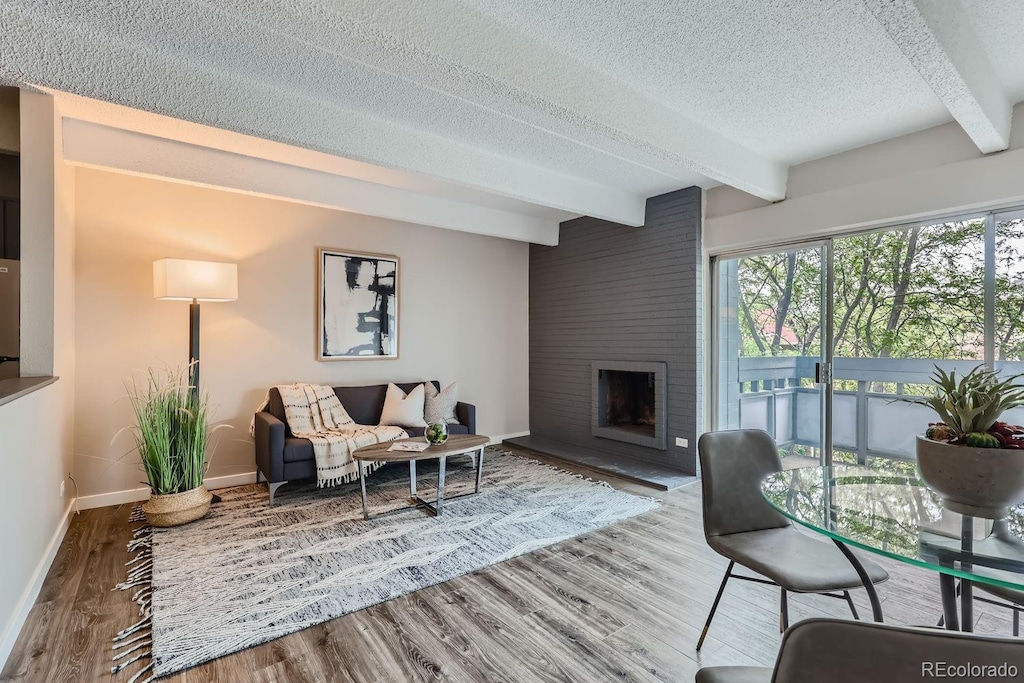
(177, 508)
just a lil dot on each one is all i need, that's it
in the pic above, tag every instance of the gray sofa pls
(281, 457)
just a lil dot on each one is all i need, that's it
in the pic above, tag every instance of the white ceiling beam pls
(113, 149)
(364, 53)
(148, 123)
(937, 39)
(111, 67)
(436, 45)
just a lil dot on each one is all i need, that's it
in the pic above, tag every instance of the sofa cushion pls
(300, 450)
(452, 429)
(401, 409)
(439, 406)
(365, 404)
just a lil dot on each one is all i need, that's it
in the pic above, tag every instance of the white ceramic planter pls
(983, 482)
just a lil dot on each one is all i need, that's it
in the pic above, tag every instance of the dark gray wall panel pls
(611, 292)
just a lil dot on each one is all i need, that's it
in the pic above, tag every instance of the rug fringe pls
(138, 637)
(369, 468)
(147, 679)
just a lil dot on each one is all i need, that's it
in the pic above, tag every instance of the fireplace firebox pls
(629, 402)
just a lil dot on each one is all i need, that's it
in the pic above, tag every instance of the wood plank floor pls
(625, 603)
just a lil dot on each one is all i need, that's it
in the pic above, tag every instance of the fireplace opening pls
(629, 401)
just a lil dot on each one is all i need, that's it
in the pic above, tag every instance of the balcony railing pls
(776, 394)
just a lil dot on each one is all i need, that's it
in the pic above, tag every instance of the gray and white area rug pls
(248, 573)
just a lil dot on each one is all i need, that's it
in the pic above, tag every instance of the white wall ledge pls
(14, 388)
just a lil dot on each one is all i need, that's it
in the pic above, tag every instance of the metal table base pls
(435, 508)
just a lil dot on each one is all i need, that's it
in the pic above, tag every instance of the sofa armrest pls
(466, 412)
(270, 433)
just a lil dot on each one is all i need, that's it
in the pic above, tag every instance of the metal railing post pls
(862, 422)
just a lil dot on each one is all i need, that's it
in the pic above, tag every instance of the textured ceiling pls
(999, 27)
(790, 80)
(567, 106)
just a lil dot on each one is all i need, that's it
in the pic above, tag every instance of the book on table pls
(410, 446)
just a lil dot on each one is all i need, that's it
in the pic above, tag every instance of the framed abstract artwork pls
(357, 306)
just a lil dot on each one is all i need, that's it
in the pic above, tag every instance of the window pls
(883, 308)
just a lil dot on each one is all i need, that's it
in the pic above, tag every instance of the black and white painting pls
(358, 306)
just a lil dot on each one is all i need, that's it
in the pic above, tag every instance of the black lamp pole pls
(193, 347)
(193, 359)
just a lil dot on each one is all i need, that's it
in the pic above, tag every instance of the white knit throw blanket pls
(314, 412)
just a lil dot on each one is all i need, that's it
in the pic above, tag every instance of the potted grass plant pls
(971, 458)
(171, 434)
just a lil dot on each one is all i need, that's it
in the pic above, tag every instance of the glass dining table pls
(895, 514)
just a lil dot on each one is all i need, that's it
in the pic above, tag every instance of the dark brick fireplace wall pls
(612, 292)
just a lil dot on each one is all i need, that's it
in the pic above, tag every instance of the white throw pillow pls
(401, 410)
(439, 406)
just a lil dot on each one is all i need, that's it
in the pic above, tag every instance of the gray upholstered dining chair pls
(840, 651)
(1010, 599)
(742, 527)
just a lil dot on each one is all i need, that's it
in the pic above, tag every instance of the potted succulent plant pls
(171, 434)
(974, 461)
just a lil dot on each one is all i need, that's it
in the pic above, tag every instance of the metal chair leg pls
(942, 619)
(783, 612)
(853, 608)
(948, 589)
(714, 605)
(869, 587)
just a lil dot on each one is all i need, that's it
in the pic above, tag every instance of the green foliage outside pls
(907, 293)
(915, 292)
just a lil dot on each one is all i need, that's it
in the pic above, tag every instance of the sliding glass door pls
(770, 343)
(875, 313)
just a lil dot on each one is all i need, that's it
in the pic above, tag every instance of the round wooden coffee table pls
(457, 444)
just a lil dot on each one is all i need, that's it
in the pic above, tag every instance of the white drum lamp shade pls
(176, 279)
(184, 280)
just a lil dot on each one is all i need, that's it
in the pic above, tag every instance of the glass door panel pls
(903, 301)
(881, 310)
(1008, 304)
(771, 338)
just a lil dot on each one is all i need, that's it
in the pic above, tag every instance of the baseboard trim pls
(231, 480)
(100, 500)
(28, 598)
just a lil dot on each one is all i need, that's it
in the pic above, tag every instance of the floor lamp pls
(194, 281)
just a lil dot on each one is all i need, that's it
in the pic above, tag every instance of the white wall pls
(932, 173)
(463, 311)
(36, 431)
(35, 438)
